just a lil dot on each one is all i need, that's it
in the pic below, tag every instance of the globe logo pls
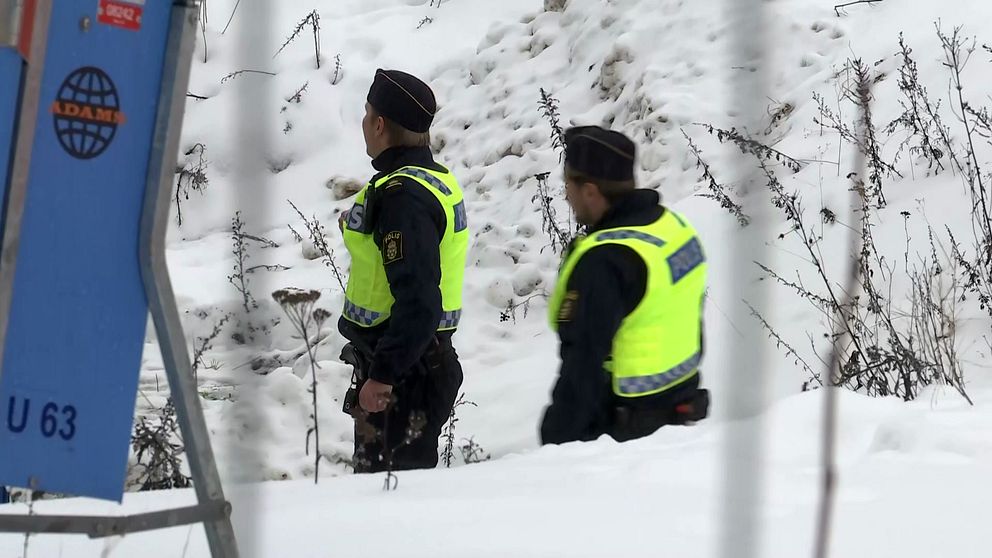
(87, 113)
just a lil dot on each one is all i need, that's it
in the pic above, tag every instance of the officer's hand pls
(342, 219)
(375, 396)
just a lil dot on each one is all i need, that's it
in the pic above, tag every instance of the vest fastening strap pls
(643, 384)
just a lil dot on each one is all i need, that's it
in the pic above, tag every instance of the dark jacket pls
(412, 211)
(610, 281)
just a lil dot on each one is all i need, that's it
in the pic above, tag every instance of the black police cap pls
(600, 153)
(403, 99)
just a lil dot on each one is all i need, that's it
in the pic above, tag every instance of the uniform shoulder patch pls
(567, 308)
(394, 182)
(392, 247)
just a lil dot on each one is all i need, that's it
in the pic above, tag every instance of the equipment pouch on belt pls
(433, 358)
(631, 422)
(359, 363)
(693, 410)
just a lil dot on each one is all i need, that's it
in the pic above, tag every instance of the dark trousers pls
(406, 434)
(640, 417)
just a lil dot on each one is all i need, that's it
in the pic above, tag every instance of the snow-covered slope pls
(653, 69)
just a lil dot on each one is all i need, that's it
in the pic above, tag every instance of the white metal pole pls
(255, 108)
(746, 394)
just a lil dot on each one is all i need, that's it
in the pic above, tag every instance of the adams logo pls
(87, 112)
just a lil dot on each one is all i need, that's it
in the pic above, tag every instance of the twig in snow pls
(230, 19)
(267, 267)
(262, 240)
(549, 108)
(839, 6)
(319, 240)
(239, 278)
(206, 343)
(747, 145)
(296, 235)
(313, 20)
(233, 75)
(717, 190)
(448, 435)
(337, 69)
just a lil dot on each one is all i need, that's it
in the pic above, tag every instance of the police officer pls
(407, 235)
(628, 304)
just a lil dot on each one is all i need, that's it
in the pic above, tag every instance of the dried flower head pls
(293, 296)
(320, 315)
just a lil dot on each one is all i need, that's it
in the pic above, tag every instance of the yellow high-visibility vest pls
(368, 300)
(658, 345)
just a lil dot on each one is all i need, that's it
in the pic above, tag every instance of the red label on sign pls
(27, 28)
(120, 13)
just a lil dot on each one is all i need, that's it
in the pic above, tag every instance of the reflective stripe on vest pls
(449, 320)
(368, 299)
(658, 345)
(359, 315)
(426, 177)
(645, 384)
(366, 317)
(625, 234)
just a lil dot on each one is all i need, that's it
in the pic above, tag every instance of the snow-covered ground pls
(913, 483)
(912, 475)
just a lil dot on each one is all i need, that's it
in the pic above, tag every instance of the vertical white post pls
(254, 112)
(746, 396)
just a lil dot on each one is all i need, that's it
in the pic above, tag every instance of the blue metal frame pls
(212, 509)
(158, 287)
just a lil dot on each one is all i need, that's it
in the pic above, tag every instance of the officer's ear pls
(577, 189)
(583, 185)
(377, 121)
(591, 190)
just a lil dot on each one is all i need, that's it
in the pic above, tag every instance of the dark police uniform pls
(411, 220)
(600, 304)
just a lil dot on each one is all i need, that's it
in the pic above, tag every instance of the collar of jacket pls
(396, 158)
(640, 207)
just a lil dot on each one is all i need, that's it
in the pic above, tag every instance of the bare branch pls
(748, 145)
(838, 7)
(233, 75)
(717, 190)
(233, 11)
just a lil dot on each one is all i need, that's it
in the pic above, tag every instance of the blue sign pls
(76, 327)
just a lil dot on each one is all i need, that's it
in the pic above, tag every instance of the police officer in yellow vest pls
(628, 304)
(407, 235)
